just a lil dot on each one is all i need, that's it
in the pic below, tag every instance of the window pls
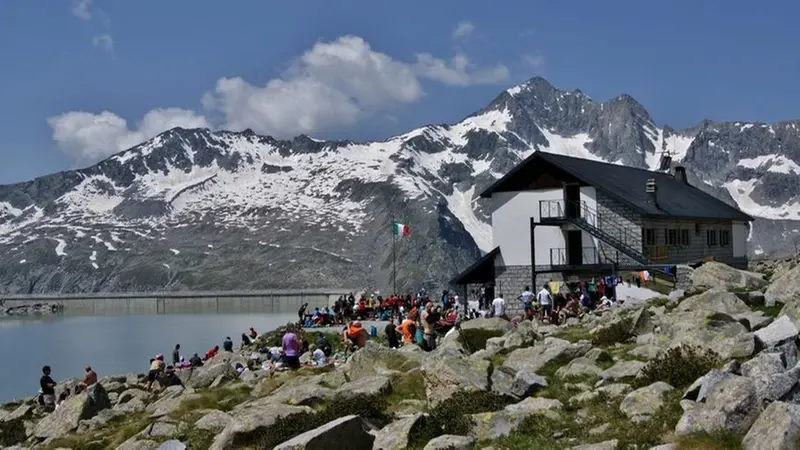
(685, 238)
(711, 238)
(672, 237)
(724, 238)
(649, 236)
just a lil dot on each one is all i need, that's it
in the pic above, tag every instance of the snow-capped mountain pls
(218, 210)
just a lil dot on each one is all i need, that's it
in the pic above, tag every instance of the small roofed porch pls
(479, 273)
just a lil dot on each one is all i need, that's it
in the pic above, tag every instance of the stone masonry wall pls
(621, 221)
(510, 281)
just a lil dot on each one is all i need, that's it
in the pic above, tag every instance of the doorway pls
(572, 203)
(574, 247)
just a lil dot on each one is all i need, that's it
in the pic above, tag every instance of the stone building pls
(556, 217)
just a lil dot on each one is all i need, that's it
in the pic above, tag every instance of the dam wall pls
(182, 302)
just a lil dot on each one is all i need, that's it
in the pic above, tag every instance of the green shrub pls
(679, 366)
(614, 333)
(12, 433)
(474, 339)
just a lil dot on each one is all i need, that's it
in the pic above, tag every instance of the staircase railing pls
(611, 231)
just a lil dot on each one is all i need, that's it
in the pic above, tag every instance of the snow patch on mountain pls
(742, 190)
(772, 163)
(460, 203)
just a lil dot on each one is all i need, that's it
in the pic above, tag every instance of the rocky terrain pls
(714, 368)
(220, 210)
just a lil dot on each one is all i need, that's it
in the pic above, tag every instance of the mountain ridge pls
(203, 209)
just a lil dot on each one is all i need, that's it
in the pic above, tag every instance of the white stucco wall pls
(739, 238)
(511, 214)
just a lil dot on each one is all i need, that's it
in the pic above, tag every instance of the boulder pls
(494, 425)
(716, 331)
(488, 323)
(778, 332)
(450, 442)
(66, 417)
(715, 300)
(213, 421)
(375, 359)
(700, 389)
(301, 392)
(777, 428)
(369, 387)
(622, 369)
(784, 288)
(579, 367)
(534, 358)
(525, 383)
(733, 405)
(447, 375)
(396, 435)
(642, 404)
(205, 376)
(614, 391)
(250, 420)
(716, 275)
(348, 433)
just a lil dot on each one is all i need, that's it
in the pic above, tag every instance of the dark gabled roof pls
(482, 271)
(627, 184)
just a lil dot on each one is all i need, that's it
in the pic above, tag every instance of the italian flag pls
(400, 229)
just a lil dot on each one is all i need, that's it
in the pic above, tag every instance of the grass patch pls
(679, 366)
(451, 417)
(573, 334)
(537, 431)
(117, 431)
(769, 311)
(498, 359)
(723, 440)
(196, 438)
(406, 386)
(222, 399)
(474, 339)
(617, 332)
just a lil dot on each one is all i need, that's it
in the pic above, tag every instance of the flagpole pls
(394, 259)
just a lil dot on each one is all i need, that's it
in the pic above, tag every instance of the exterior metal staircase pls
(612, 232)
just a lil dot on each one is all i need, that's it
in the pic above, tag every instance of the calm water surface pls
(110, 344)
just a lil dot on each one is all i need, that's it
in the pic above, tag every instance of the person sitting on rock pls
(252, 333)
(89, 379)
(570, 309)
(245, 340)
(48, 389)
(227, 344)
(195, 360)
(212, 352)
(355, 334)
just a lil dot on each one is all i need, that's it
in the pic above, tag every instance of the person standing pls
(176, 354)
(429, 336)
(527, 302)
(545, 302)
(391, 334)
(48, 388)
(227, 344)
(499, 307)
(291, 348)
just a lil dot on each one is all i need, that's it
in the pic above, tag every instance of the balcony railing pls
(560, 257)
(559, 209)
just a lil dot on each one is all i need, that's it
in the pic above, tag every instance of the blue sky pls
(351, 69)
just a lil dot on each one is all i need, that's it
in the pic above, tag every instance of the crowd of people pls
(410, 320)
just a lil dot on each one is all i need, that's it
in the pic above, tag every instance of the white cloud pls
(463, 29)
(88, 137)
(333, 85)
(104, 41)
(534, 60)
(459, 71)
(82, 9)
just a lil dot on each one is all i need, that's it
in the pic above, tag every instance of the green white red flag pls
(400, 229)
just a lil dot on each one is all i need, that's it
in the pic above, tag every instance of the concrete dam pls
(182, 302)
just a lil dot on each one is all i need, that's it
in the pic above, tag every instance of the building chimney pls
(651, 190)
(680, 174)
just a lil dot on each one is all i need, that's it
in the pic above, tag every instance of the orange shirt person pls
(356, 334)
(407, 329)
